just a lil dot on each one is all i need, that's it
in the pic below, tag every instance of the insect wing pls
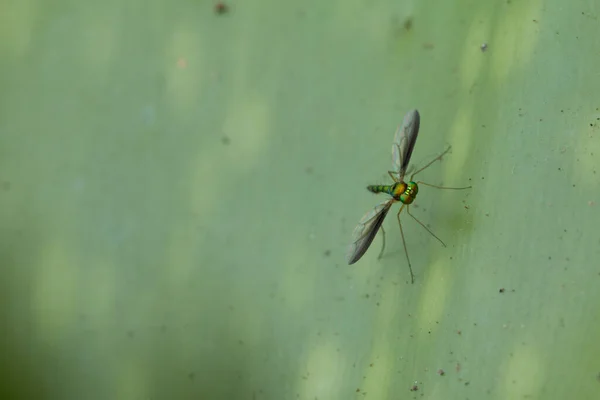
(365, 231)
(404, 143)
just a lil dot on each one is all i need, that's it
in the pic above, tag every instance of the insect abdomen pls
(379, 189)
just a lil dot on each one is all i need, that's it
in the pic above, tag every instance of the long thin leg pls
(442, 187)
(430, 162)
(383, 245)
(423, 225)
(436, 186)
(412, 276)
(393, 175)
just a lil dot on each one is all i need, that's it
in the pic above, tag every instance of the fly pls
(400, 191)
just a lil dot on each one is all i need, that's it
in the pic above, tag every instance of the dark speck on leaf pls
(221, 8)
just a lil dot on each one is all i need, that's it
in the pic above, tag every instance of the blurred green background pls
(178, 188)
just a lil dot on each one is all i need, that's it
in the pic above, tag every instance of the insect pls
(400, 191)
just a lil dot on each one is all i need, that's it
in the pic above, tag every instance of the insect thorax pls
(405, 192)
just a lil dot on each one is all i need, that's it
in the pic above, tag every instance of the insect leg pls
(430, 162)
(426, 228)
(412, 277)
(394, 176)
(442, 187)
(383, 244)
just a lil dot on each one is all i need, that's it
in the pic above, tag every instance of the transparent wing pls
(365, 231)
(404, 142)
